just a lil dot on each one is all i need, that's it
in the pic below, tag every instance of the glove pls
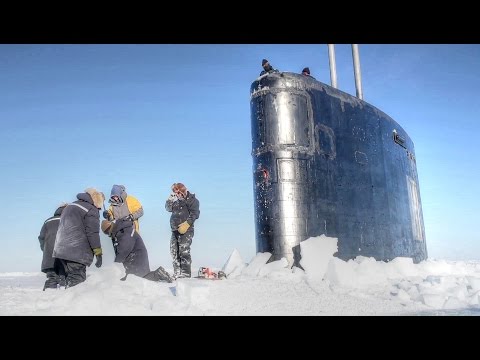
(173, 197)
(98, 263)
(97, 251)
(129, 217)
(183, 227)
(107, 215)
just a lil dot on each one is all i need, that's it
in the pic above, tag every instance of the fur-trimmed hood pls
(97, 196)
(106, 227)
(111, 228)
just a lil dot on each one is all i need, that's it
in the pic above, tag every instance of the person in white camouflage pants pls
(185, 209)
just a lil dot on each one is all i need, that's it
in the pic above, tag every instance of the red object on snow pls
(207, 273)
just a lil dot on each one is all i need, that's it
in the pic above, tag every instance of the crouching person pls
(130, 250)
(78, 238)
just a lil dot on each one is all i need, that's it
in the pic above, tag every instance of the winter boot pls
(162, 275)
(52, 280)
(184, 275)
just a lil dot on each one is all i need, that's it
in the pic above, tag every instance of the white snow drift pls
(325, 286)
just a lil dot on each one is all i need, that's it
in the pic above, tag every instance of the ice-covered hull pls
(325, 162)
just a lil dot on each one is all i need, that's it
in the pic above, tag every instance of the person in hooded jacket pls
(78, 238)
(47, 242)
(185, 209)
(267, 68)
(130, 250)
(306, 72)
(123, 206)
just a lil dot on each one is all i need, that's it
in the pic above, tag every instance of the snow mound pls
(316, 253)
(234, 260)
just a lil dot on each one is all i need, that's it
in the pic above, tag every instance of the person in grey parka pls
(47, 241)
(185, 209)
(123, 205)
(130, 250)
(78, 238)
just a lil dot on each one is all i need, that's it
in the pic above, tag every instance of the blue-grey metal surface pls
(326, 162)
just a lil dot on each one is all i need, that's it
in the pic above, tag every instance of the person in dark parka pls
(267, 68)
(130, 250)
(306, 72)
(47, 242)
(78, 238)
(185, 209)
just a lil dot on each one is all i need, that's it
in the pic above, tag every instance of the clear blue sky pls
(145, 116)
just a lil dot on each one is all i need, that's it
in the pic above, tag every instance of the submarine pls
(327, 162)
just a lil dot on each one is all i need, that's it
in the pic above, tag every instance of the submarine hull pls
(326, 162)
